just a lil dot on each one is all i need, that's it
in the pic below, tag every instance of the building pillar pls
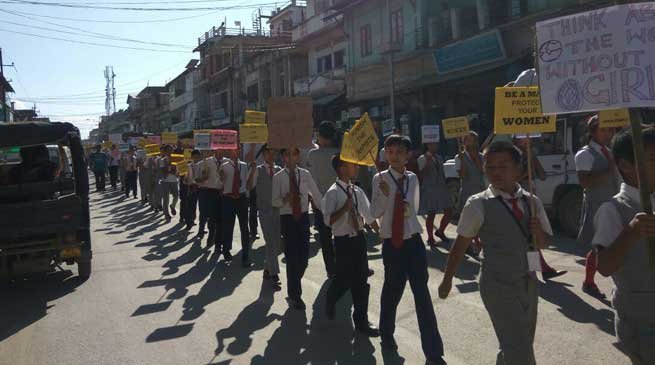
(455, 22)
(482, 7)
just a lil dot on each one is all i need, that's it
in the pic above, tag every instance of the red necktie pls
(295, 196)
(606, 153)
(270, 171)
(518, 213)
(236, 181)
(398, 223)
(352, 215)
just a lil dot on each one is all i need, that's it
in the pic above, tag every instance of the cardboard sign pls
(223, 139)
(187, 154)
(597, 60)
(152, 149)
(253, 133)
(360, 144)
(142, 143)
(430, 133)
(616, 118)
(154, 139)
(255, 117)
(123, 147)
(290, 122)
(387, 127)
(181, 167)
(116, 138)
(177, 158)
(169, 138)
(202, 140)
(455, 127)
(186, 142)
(518, 111)
(107, 145)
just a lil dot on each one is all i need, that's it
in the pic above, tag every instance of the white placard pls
(202, 141)
(596, 60)
(430, 133)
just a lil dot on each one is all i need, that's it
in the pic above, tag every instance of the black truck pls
(44, 199)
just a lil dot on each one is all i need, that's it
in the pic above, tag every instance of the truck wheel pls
(84, 269)
(453, 187)
(569, 210)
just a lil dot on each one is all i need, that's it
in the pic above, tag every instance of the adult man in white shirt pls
(292, 188)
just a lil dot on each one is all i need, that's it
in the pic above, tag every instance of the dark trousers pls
(131, 178)
(191, 206)
(100, 180)
(203, 208)
(234, 208)
(252, 212)
(325, 238)
(296, 251)
(352, 273)
(184, 193)
(113, 176)
(409, 262)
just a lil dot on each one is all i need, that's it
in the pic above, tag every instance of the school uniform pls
(235, 205)
(114, 162)
(404, 258)
(594, 158)
(633, 297)
(269, 216)
(473, 183)
(156, 187)
(209, 200)
(131, 175)
(435, 196)
(508, 285)
(168, 185)
(142, 173)
(122, 171)
(252, 194)
(318, 163)
(351, 265)
(294, 222)
(191, 205)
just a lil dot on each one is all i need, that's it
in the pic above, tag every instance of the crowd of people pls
(499, 216)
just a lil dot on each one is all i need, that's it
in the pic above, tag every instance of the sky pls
(66, 80)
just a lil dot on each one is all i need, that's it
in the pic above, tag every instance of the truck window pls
(552, 143)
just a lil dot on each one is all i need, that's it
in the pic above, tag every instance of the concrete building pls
(6, 115)
(181, 102)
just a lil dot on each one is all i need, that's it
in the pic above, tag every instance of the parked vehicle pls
(560, 191)
(44, 199)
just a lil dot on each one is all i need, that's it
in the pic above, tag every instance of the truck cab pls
(560, 192)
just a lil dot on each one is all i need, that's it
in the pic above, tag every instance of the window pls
(339, 57)
(365, 42)
(327, 62)
(319, 65)
(397, 28)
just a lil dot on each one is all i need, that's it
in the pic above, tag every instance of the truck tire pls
(568, 211)
(84, 269)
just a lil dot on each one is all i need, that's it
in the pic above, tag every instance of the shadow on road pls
(25, 301)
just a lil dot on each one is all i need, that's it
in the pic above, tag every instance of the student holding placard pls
(597, 174)
(168, 183)
(235, 174)
(191, 204)
(435, 196)
(501, 216)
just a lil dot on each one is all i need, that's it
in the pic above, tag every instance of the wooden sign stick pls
(642, 177)
(375, 161)
(530, 187)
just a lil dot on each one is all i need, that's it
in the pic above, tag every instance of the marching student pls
(168, 182)
(234, 173)
(501, 216)
(210, 189)
(131, 173)
(395, 201)
(435, 196)
(98, 162)
(143, 173)
(114, 162)
(598, 176)
(468, 164)
(346, 209)
(318, 162)
(269, 216)
(151, 164)
(292, 188)
(547, 272)
(622, 230)
(253, 151)
(191, 205)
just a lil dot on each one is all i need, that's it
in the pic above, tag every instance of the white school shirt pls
(228, 170)
(255, 175)
(472, 216)
(382, 206)
(584, 160)
(306, 185)
(608, 223)
(213, 181)
(335, 198)
(166, 162)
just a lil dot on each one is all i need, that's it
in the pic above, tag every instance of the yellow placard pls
(177, 158)
(455, 127)
(615, 118)
(142, 143)
(255, 117)
(152, 149)
(169, 138)
(518, 111)
(187, 154)
(182, 167)
(360, 144)
(107, 144)
(253, 133)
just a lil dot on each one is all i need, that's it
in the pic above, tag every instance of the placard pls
(123, 147)
(152, 149)
(154, 139)
(169, 138)
(181, 167)
(597, 60)
(186, 142)
(290, 122)
(116, 138)
(255, 117)
(518, 111)
(223, 139)
(135, 141)
(142, 143)
(455, 127)
(107, 145)
(177, 158)
(202, 141)
(615, 118)
(187, 154)
(430, 133)
(253, 133)
(360, 144)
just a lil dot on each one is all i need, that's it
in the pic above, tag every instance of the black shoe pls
(432, 243)
(592, 289)
(188, 226)
(367, 329)
(442, 237)
(298, 304)
(254, 237)
(173, 212)
(227, 255)
(470, 252)
(275, 279)
(547, 275)
(246, 264)
(370, 272)
(435, 362)
(389, 344)
(267, 276)
(167, 217)
(330, 311)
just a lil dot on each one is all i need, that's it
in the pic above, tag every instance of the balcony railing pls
(219, 32)
(315, 24)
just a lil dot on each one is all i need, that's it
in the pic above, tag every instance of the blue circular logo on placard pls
(569, 95)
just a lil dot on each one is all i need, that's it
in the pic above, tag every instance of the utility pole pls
(392, 77)
(4, 93)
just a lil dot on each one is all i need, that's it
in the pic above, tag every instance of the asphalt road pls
(158, 296)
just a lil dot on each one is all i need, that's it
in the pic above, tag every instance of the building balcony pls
(316, 24)
(180, 101)
(332, 82)
(216, 33)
